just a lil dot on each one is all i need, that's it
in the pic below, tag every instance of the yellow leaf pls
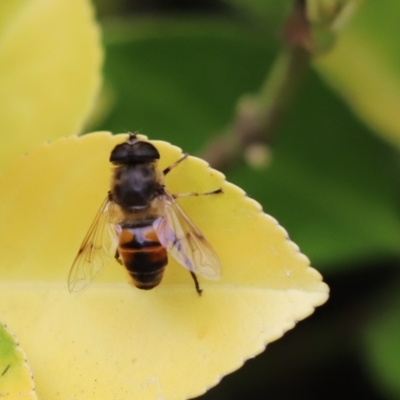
(116, 341)
(363, 67)
(16, 381)
(369, 86)
(50, 59)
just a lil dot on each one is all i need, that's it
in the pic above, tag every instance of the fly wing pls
(98, 246)
(183, 240)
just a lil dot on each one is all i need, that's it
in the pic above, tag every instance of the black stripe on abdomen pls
(143, 256)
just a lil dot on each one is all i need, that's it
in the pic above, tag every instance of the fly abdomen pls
(143, 255)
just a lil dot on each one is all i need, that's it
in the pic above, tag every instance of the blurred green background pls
(175, 71)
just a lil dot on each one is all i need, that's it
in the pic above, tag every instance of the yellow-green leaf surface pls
(50, 59)
(16, 381)
(114, 341)
(364, 66)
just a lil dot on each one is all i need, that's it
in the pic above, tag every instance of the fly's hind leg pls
(190, 194)
(118, 257)
(196, 283)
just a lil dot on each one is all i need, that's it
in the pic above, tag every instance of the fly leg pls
(175, 196)
(196, 283)
(177, 162)
(118, 257)
(189, 194)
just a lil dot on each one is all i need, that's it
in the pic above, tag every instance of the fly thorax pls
(135, 186)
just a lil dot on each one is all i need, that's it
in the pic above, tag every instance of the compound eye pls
(127, 153)
(145, 151)
(120, 153)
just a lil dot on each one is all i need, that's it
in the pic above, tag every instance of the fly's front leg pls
(177, 162)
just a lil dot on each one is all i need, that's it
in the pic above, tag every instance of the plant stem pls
(257, 116)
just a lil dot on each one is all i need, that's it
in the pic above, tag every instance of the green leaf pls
(271, 15)
(382, 345)
(16, 381)
(179, 81)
